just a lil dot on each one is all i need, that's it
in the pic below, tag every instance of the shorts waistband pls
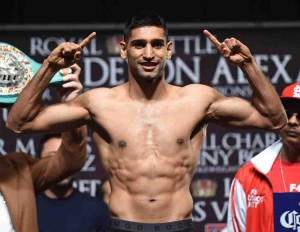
(151, 227)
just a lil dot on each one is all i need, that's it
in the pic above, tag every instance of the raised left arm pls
(265, 99)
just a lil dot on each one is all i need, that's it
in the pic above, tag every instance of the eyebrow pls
(143, 40)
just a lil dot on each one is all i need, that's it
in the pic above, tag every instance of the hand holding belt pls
(16, 70)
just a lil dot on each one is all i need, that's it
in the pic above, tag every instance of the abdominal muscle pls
(151, 188)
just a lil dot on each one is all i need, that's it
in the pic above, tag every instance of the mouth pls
(292, 133)
(149, 66)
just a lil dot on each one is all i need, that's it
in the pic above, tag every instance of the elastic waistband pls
(151, 227)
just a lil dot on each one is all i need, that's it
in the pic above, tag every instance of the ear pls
(169, 50)
(123, 51)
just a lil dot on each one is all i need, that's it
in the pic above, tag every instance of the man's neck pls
(290, 154)
(147, 90)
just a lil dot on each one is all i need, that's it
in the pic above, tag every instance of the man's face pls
(50, 147)
(147, 51)
(291, 132)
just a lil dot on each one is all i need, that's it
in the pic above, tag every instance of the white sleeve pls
(237, 208)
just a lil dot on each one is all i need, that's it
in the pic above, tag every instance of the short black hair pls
(142, 19)
(44, 139)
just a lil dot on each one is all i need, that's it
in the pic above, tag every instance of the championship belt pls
(16, 70)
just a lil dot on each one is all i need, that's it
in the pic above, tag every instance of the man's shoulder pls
(105, 92)
(245, 170)
(198, 89)
(16, 162)
(17, 157)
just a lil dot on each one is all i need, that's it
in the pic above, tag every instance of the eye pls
(138, 44)
(290, 114)
(157, 44)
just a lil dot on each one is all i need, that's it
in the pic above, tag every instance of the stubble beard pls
(150, 77)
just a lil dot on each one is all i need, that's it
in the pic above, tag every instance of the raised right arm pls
(27, 114)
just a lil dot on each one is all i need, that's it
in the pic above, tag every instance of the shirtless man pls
(148, 132)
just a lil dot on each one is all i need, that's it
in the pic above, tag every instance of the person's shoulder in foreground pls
(22, 176)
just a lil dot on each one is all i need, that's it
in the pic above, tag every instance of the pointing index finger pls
(87, 39)
(212, 38)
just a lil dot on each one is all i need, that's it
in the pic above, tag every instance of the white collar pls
(265, 159)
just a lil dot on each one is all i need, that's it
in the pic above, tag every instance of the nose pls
(294, 119)
(148, 52)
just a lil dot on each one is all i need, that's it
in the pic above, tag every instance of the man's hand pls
(72, 86)
(232, 49)
(67, 53)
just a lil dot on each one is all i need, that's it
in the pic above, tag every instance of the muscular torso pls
(150, 150)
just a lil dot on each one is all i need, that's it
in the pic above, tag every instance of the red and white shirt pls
(251, 196)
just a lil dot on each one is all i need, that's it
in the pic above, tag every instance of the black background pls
(117, 11)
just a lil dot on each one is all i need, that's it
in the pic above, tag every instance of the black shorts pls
(116, 225)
